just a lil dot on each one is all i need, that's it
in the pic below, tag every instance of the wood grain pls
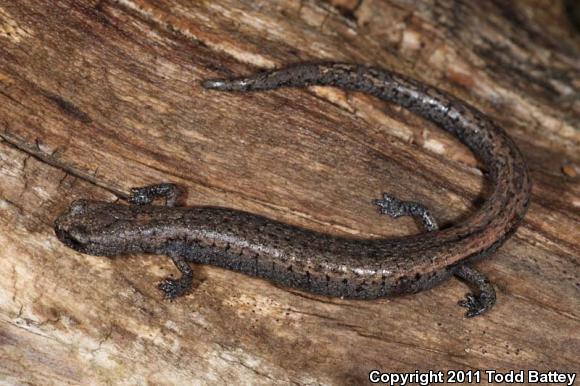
(98, 96)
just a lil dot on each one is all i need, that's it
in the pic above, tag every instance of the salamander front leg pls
(146, 194)
(483, 297)
(173, 288)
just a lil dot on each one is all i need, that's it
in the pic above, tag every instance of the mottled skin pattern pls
(312, 261)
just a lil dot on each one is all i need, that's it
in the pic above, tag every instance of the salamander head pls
(93, 227)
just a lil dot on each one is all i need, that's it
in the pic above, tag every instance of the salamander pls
(347, 267)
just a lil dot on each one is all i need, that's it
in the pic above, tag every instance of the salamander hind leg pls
(173, 288)
(482, 298)
(146, 194)
(397, 208)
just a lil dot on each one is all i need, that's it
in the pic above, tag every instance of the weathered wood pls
(100, 96)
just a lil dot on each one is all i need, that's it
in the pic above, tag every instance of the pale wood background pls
(97, 96)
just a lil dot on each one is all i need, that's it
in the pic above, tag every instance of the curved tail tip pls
(227, 84)
(214, 84)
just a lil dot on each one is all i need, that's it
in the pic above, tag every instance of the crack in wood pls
(48, 160)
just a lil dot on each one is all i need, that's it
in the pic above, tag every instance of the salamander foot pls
(174, 288)
(146, 194)
(477, 305)
(482, 299)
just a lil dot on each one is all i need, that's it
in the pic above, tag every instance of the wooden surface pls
(97, 96)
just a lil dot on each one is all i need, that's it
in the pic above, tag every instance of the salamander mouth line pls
(68, 240)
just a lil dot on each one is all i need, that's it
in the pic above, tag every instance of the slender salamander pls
(313, 261)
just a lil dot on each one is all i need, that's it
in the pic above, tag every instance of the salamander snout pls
(69, 229)
(82, 225)
(71, 239)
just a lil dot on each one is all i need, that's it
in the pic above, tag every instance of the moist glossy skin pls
(317, 262)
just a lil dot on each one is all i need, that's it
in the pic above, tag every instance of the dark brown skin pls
(312, 261)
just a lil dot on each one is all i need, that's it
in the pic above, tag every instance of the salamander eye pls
(78, 206)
